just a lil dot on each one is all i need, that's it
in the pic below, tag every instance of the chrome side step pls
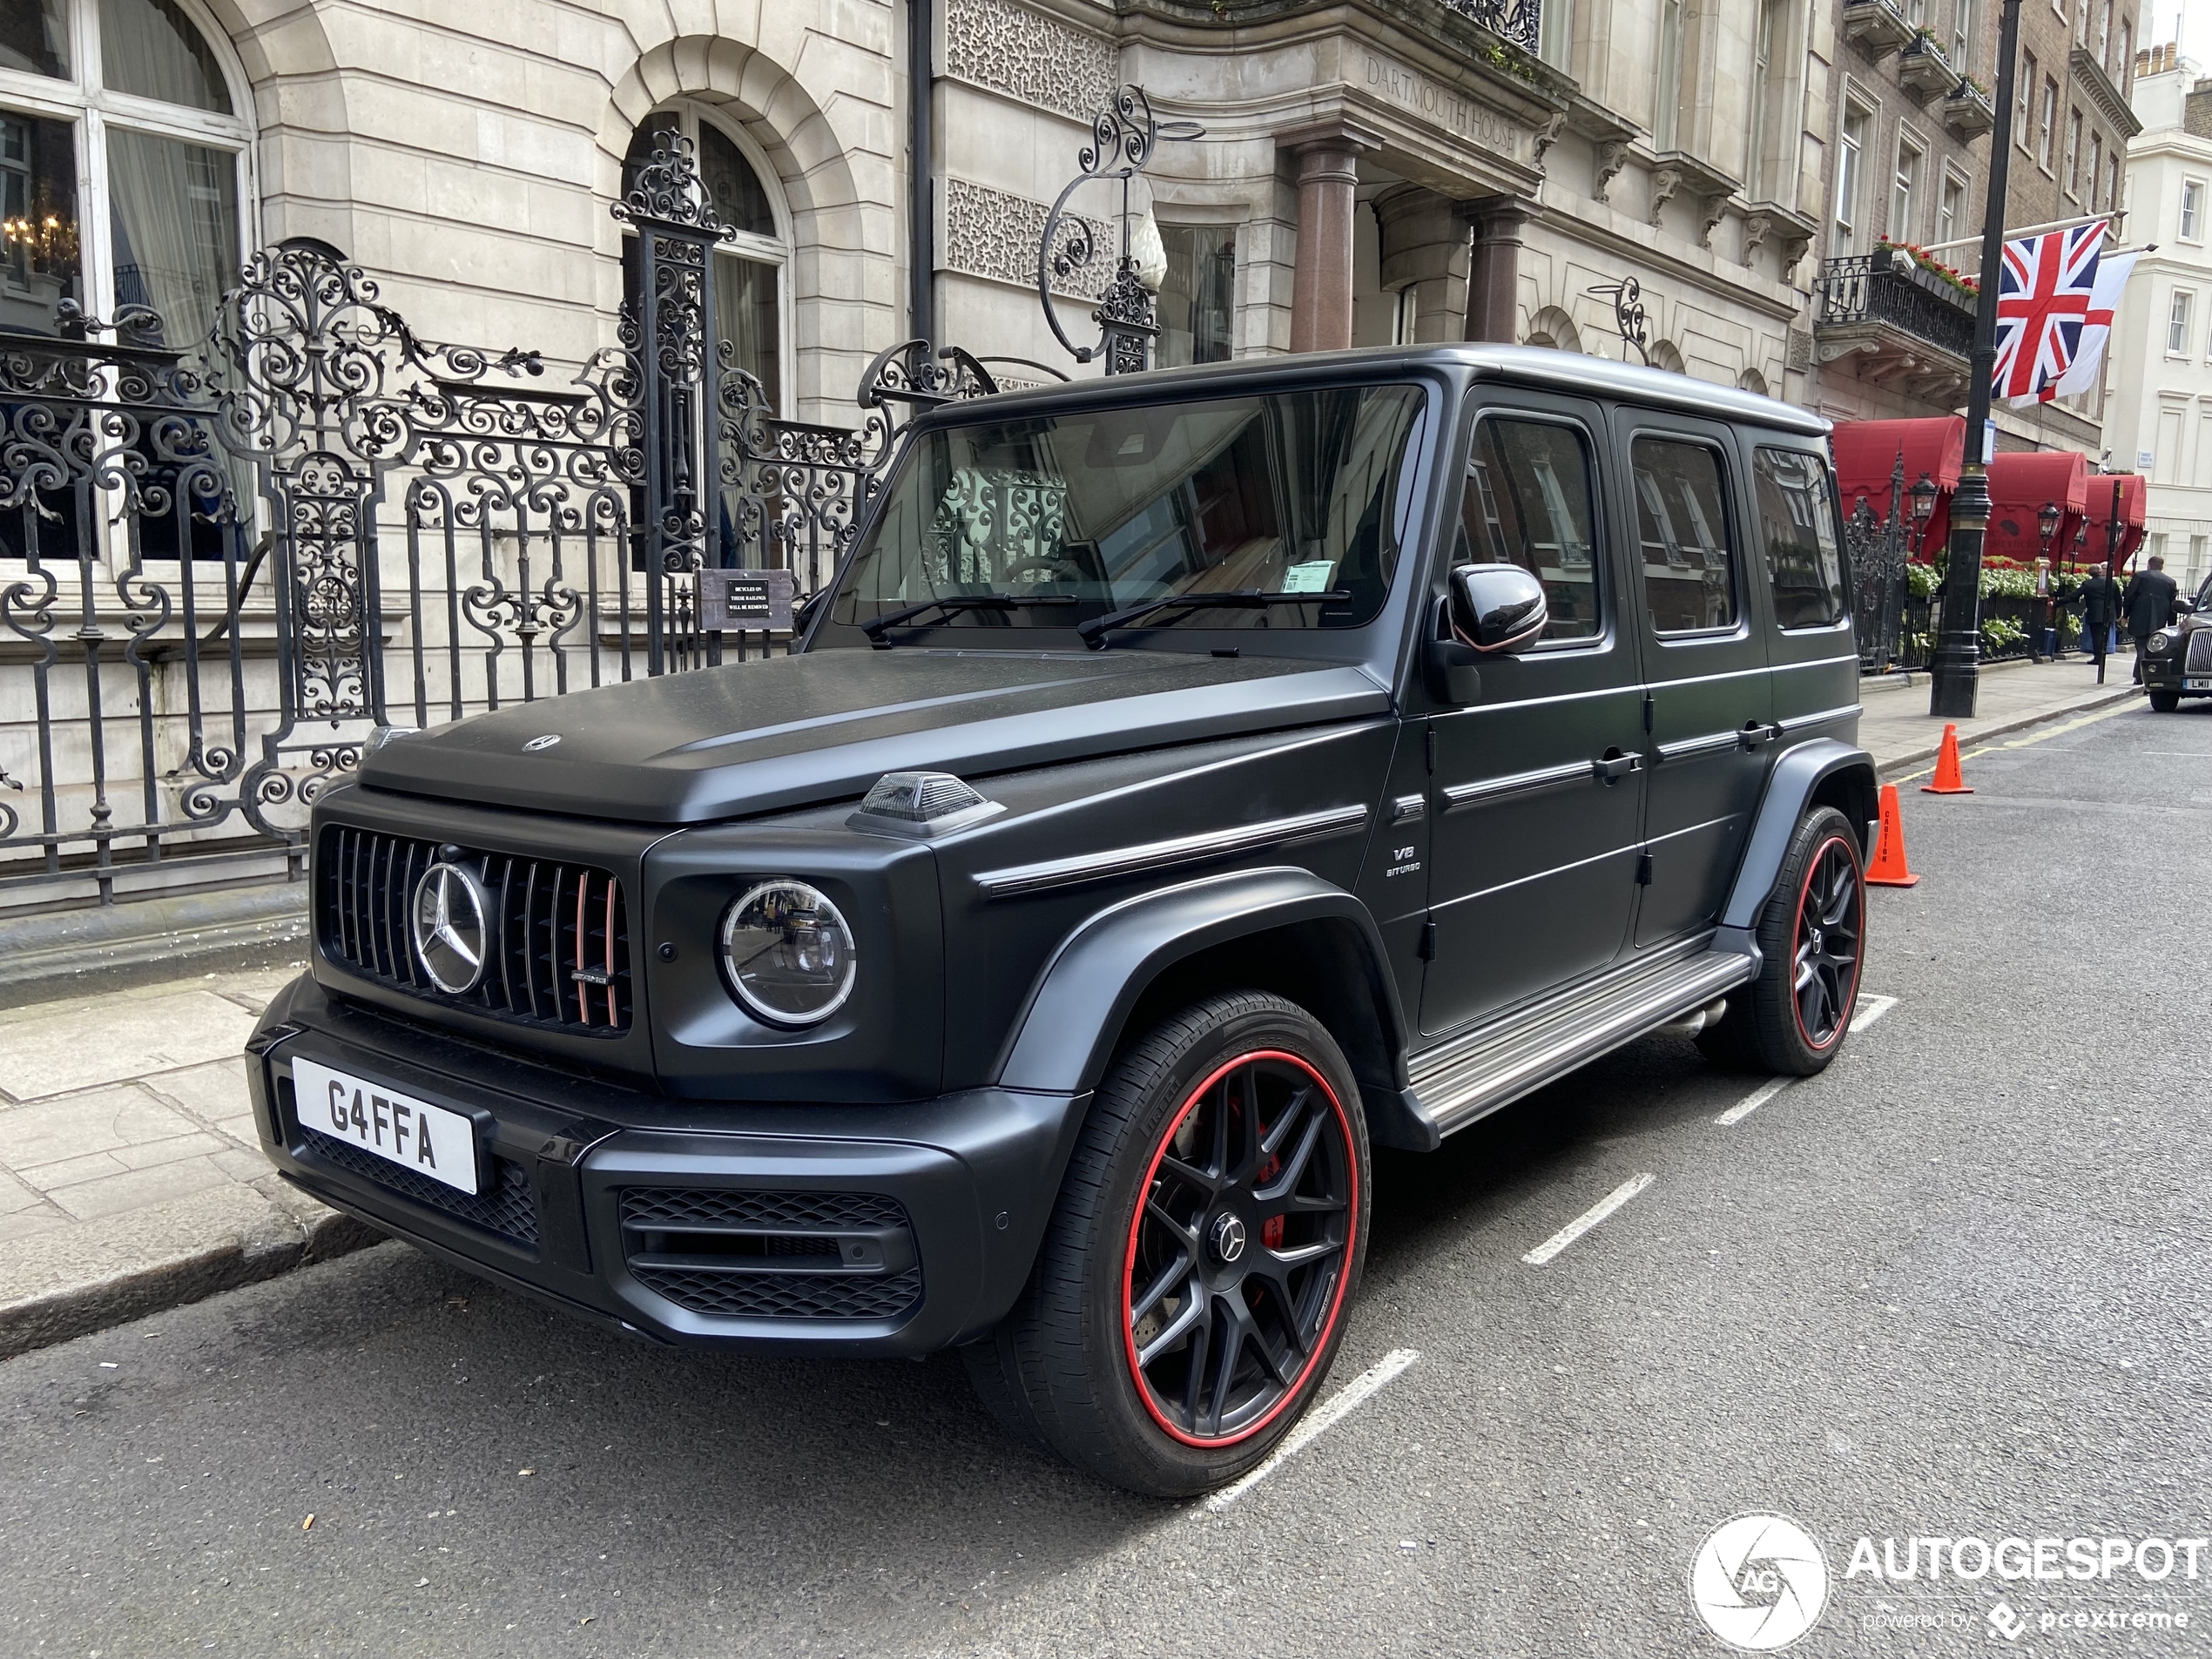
(1471, 1076)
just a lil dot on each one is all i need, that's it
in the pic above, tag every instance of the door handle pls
(1615, 767)
(1756, 734)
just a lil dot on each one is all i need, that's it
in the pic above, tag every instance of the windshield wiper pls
(1094, 631)
(875, 627)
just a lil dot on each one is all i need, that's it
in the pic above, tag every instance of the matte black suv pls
(1191, 781)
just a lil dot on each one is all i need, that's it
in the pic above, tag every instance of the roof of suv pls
(1560, 371)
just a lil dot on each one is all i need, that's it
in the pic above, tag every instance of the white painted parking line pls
(1753, 1102)
(1338, 1406)
(1870, 1008)
(1589, 1218)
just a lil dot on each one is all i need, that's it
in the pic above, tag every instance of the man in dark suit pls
(2148, 606)
(2100, 607)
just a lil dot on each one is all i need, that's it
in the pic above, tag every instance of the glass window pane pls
(1527, 502)
(174, 213)
(150, 49)
(745, 315)
(1302, 493)
(38, 229)
(1197, 299)
(1682, 522)
(34, 36)
(1804, 561)
(730, 182)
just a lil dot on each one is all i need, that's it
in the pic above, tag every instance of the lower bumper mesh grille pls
(505, 1207)
(744, 1255)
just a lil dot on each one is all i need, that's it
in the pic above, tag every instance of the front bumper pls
(836, 1230)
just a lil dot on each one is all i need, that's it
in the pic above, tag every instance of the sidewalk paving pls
(132, 1179)
(131, 1176)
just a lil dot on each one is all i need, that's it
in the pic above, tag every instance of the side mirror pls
(1497, 609)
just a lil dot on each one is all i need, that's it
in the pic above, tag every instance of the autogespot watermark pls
(1760, 1583)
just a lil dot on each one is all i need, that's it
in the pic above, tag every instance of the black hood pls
(796, 731)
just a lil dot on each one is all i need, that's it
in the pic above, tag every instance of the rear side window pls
(1798, 522)
(1527, 502)
(1681, 521)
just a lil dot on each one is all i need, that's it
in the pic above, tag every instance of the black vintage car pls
(2177, 658)
(1191, 781)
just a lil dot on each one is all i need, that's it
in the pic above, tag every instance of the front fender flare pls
(1065, 1033)
(1797, 776)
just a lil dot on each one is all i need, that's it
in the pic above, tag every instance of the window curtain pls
(174, 214)
(150, 49)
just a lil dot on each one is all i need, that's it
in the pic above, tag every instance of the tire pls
(2164, 701)
(1792, 1019)
(1187, 1218)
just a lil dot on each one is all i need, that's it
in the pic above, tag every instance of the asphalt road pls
(1953, 1288)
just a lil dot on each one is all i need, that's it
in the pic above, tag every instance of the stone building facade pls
(2158, 418)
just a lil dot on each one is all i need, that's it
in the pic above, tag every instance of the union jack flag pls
(2043, 295)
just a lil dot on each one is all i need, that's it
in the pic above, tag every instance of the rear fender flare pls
(1821, 767)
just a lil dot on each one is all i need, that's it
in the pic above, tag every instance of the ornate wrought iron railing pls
(1872, 287)
(222, 567)
(1513, 20)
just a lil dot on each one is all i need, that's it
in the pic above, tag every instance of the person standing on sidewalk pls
(2148, 606)
(2100, 604)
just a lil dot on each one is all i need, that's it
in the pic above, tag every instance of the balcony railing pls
(1513, 20)
(1877, 288)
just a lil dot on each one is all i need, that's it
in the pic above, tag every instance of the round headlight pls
(788, 953)
(2160, 642)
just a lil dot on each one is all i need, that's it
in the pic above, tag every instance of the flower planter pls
(1968, 111)
(1923, 69)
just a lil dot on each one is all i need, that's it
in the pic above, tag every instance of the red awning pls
(2021, 482)
(2134, 504)
(1866, 458)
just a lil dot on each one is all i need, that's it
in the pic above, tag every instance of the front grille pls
(773, 1254)
(505, 1207)
(2199, 652)
(560, 951)
(822, 1296)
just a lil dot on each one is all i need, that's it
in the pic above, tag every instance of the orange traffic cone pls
(1889, 869)
(1947, 779)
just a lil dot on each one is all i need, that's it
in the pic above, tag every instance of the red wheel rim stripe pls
(1323, 1331)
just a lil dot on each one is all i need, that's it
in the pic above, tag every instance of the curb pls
(1918, 758)
(161, 1258)
(59, 944)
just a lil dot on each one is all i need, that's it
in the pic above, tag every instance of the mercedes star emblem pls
(545, 742)
(453, 935)
(1228, 1236)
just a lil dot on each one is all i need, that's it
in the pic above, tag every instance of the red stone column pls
(1493, 274)
(1328, 173)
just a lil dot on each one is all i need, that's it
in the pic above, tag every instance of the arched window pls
(127, 104)
(1751, 380)
(750, 292)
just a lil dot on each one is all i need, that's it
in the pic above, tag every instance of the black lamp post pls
(1924, 495)
(2047, 520)
(1955, 674)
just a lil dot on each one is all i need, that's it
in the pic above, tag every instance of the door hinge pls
(1650, 712)
(1428, 738)
(1428, 940)
(1643, 869)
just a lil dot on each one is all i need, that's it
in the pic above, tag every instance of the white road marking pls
(1339, 1406)
(1870, 1008)
(1751, 1102)
(1589, 1218)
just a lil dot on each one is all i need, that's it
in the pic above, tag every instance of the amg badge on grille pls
(452, 929)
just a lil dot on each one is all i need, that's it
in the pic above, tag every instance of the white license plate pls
(411, 1133)
(2201, 683)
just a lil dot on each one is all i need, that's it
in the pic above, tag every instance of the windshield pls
(1051, 520)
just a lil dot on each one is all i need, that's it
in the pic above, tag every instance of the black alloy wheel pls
(1193, 1283)
(1239, 1251)
(1793, 1017)
(1824, 973)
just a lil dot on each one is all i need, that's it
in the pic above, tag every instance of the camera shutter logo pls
(1760, 1582)
(452, 927)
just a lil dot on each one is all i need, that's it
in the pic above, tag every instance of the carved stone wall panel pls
(1007, 47)
(991, 233)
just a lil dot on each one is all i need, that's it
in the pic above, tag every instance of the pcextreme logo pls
(1760, 1582)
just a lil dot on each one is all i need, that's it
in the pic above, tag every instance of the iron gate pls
(222, 566)
(1877, 549)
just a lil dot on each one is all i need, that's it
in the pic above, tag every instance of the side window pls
(1527, 502)
(1804, 561)
(1682, 521)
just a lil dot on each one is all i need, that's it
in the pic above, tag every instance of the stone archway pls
(1664, 353)
(1553, 328)
(842, 231)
